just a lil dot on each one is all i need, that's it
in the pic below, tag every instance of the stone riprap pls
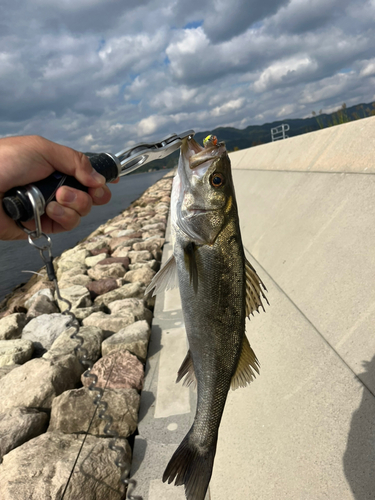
(45, 403)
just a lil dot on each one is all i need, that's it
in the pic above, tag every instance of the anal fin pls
(248, 364)
(165, 279)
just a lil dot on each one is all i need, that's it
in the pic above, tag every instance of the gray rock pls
(162, 207)
(134, 338)
(72, 412)
(100, 272)
(122, 251)
(143, 275)
(140, 256)
(153, 264)
(153, 232)
(157, 225)
(4, 370)
(79, 279)
(11, 326)
(40, 468)
(84, 312)
(64, 345)
(77, 295)
(135, 306)
(75, 254)
(44, 330)
(109, 228)
(125, 232)
(117, 370)
(19, 425)
(45, 292)
(36, 383)
(92, 261)
(78, 269)
(125, 292)
(67, 269)
(109, 323)
(125, 240)
(42, 305)
(97, 244)
(16, 351)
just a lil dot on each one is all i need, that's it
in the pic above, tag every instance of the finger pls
(116, 181)
(66, 217)
(100, 196)
(69, 161)
(79, 201)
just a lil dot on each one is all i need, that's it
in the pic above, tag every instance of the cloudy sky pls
(105, 74)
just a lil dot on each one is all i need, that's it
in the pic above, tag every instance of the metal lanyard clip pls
(37, 204)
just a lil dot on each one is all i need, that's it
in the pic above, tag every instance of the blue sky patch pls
(193, 25)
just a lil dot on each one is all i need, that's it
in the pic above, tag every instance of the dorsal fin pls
(187, 368)
(248, 364)
(165, 279)
(254, 292)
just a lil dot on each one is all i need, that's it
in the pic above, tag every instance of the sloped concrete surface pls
(348, 147)
(305, 428)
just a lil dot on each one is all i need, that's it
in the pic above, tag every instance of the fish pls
(219, 288)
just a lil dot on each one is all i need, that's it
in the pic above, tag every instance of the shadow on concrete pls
(154, 345)
(148, 399)
(139, 456)
(359, 456)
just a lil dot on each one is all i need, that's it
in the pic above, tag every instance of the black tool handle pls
(16, 202)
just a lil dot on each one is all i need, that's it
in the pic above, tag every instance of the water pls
(17, 256)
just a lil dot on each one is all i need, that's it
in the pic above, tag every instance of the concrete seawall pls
(305, 429)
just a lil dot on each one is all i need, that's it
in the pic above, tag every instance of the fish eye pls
(217, 180)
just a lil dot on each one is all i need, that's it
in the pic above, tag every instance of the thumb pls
(70, 162)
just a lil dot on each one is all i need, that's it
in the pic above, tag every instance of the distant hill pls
(254, 135)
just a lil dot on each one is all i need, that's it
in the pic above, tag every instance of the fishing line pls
(33, 272)
(96, 401)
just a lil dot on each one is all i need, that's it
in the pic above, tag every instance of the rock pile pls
(46, 407)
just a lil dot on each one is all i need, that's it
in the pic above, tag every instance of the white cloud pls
(107, 73)
(368, 68)
(228, 107)
(285, 72)
(286, 111)
(150, 125)
(109, 91)
(328, 88)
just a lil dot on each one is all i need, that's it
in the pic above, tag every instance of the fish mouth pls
(194, 212)
(196, 155)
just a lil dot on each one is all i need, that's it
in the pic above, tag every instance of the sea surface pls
(18, 256)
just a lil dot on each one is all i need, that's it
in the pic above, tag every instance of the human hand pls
(27, 159)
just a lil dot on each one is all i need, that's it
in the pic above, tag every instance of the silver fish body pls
(218, 289)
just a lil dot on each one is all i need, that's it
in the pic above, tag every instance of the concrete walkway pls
(305, 429)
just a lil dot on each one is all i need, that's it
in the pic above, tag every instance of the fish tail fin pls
(191, 467)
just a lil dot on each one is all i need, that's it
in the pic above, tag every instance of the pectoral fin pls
(165, 279)
(187, 368)
(254, 292)
(190, 259)
(248, 364)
